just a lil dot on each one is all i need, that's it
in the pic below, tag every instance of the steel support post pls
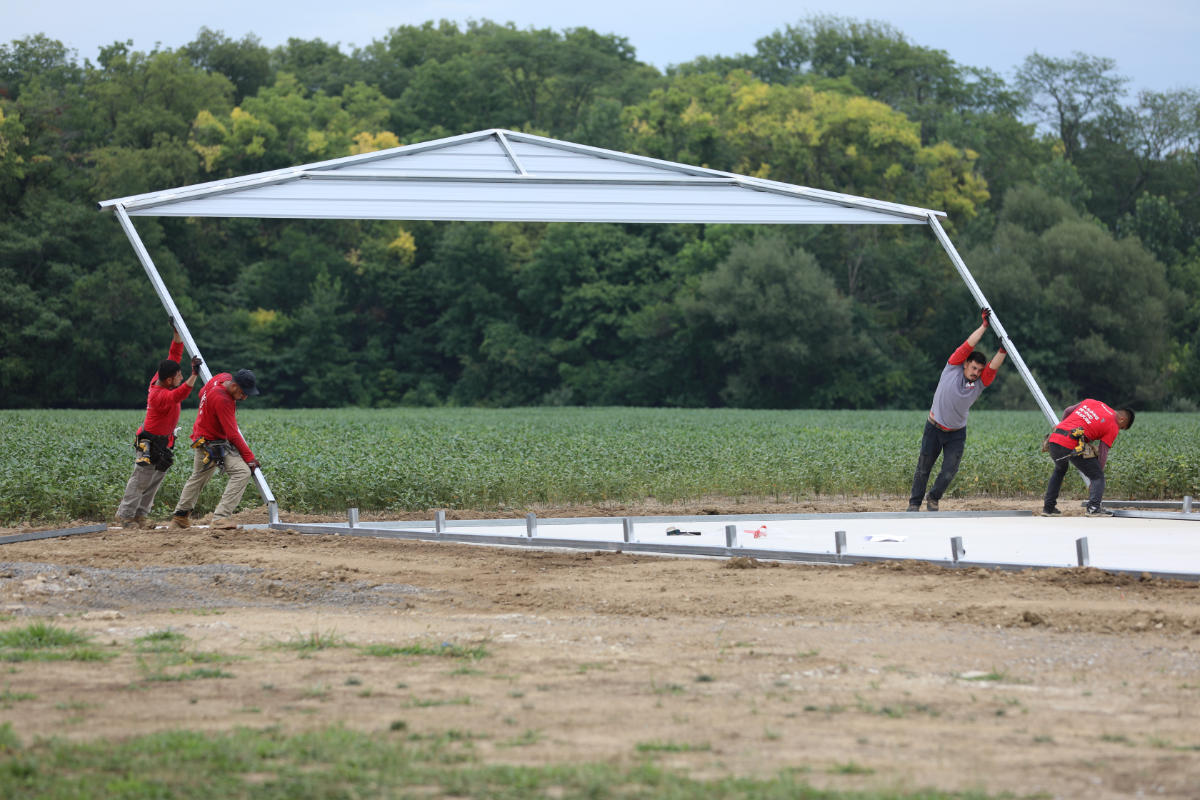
(1082, 556)
(1013, 354)
(172, 310)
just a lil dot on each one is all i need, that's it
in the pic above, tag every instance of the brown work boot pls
(142, 522)
(224, 524)
(181, 521)
(126, 522)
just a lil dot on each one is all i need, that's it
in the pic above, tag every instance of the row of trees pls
(1076, 206)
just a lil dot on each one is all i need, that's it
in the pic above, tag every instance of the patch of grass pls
(41, 641)
(75, 705)
(658, 746)
(1116, 738)
(200, 673)
(850, 768)
(318, 692)
(74, 654)
(334, 761)
(311, 642)
(8, 697)
(666, 688)
(445, 649)
(465, 670)
(39, 635)
(422, 702)
(588, 666)
(529, 737)
(702, 678)
(353, 681)
(987, 676)
(160, 642)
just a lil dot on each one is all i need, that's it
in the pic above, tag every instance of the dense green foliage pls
(334, 762)
(1076, 205)
(77, 463)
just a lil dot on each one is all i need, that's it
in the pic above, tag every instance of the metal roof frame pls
(490, 175)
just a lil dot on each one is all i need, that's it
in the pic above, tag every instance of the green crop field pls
(64, 465)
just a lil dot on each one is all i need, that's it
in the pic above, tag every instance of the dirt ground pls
(1054, 683)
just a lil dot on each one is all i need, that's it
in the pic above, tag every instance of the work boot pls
(180, 520)
(931, 504)
(126, 522)
(140, 521)
(1096, 511)
(1051, 512)
(914, 506)
(224, 524)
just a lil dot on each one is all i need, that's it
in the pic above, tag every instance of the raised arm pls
(977, 334)
(964, 349)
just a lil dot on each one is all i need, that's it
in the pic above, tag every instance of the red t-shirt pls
(1099, 423)
(217, 416)
(162, 404)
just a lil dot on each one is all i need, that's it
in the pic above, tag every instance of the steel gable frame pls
(146, 203)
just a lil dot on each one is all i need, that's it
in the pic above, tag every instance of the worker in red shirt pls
(155, 440)
(1083, 437)
(219, 445)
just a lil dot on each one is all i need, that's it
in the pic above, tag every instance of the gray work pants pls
(239, 477)
(140, 491)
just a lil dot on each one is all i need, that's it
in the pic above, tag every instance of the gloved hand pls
(253, 465)
(986, 313)
(196, 362)
(1003, 350)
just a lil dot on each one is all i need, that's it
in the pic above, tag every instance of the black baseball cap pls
(245, 379)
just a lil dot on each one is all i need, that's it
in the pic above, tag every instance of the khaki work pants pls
(140, 491)
(239, 477)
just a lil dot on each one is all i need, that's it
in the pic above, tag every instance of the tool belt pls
(154, 451)
(1083, 445)
(214, 452)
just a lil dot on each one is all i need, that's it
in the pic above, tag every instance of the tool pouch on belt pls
(1083, 445)
(214, 452)
(153, 451)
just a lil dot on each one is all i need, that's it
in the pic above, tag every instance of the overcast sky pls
(1156, 43)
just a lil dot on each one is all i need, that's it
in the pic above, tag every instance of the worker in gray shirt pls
(963, 380)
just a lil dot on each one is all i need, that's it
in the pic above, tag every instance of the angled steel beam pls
(997, 326)
(508, 151)
(164, 295)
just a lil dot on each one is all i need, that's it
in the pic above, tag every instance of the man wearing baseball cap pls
(218, 445)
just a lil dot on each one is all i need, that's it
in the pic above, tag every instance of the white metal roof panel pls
(504, 175)
(517, 201)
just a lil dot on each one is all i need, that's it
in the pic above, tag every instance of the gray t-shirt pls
(954, 396)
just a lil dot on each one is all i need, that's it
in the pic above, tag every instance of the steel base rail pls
(34, 535)
(164, 296)
(1191, 516)
(539, 542)
(550, 521)
(1146, 504)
